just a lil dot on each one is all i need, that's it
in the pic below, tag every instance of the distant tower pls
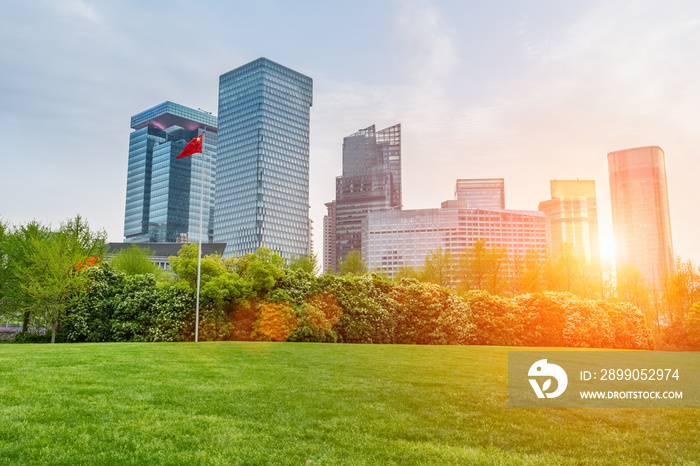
(163, 194)
(329, 258)
(641, 220)
(371, 181)
(482, 193)
(572, 216)
(262, 189)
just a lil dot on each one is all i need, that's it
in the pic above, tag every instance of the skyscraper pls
(262, 189)
(329, 259)
(641, 220)
(482, 193)
(163, 194)
(572, 216)
(371, 181)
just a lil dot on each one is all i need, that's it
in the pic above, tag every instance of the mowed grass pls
(296, 403)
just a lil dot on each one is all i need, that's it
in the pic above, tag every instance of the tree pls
(308, 264)
(54, 272)
(528, 273)
(692, 325)
(482, 268)
(631, 286)
(135, 261)
(18, 245)
(353, 264)
(438, 268)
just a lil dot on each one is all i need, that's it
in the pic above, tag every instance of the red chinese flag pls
(192, 147)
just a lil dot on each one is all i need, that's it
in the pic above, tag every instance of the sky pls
(528, 91)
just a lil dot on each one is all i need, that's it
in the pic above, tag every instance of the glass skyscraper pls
(371, 182)
(641, 219)
(482, 193)
(163, 195)
(572, 216)
(262, 188)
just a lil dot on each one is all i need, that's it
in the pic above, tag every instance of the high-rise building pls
(262, 189)
(393, 239)
(572, 216)
(163, 195)
(482, 193)
(371, 181)
(641, 220)
(329, 258)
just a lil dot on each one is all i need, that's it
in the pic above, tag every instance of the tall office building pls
(329, 258)
(163, 195)
(371, 181)
(641, 220)
(482, 193)
(572, 216)
(262, 189)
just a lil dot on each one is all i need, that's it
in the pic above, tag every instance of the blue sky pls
(524, 90)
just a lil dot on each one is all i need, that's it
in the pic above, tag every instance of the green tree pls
(18, 245)
(353, 264)
(438, 268)
(483, 268)
(54, 273)
(264, 269)
(135, 261)
(308, 264)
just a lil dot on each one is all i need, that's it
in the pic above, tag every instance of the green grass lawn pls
(298, 403)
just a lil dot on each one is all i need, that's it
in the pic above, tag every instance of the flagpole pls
(199, 255)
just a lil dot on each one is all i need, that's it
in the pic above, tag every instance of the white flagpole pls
(199, 255)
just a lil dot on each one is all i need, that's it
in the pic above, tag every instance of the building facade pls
(262, 189)
(163, 195)
(371, 182)
(482, 193)
(393, 239)
(572, 217)
(329, 257)
(640, 210)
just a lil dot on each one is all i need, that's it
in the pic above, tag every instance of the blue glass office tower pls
(163, 194)
(262, 185)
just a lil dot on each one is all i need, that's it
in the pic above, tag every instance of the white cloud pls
(81, 9)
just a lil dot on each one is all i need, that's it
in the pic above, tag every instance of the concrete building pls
(392, 239)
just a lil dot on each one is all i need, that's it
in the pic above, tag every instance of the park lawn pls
(305, 403)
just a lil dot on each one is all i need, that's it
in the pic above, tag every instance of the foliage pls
(135, 261)
(426, 313)
(353, 264)
(52, 274)
(308, 264)
(117, 307)
(438, 268)
(482, 268)
(496, 319)
(277, 322)
(692, 325)
(27, 337)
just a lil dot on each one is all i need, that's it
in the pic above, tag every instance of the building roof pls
(167, 249)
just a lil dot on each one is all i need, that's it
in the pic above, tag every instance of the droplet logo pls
(541, 369)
